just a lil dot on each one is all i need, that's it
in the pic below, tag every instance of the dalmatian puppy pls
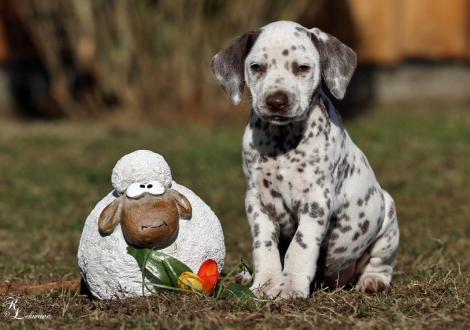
(316, 211)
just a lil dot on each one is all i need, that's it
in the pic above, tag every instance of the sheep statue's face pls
(149, 215)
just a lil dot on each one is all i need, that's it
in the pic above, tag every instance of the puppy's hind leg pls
(244, 277)
(376, 265)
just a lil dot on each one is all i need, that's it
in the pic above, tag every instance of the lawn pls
(53, 173)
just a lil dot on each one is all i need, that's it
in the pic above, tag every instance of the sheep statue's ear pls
(110, 216)
(184, 206)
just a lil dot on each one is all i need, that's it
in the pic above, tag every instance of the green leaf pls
(139, 254)
(245, 264)
(248, 264)
(168, 287)
(164, 267)
(235, 290)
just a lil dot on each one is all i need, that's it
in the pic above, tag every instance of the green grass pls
(52, 175)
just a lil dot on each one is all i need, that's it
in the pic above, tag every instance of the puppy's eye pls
(135, 190)
(303, 68)
(256, 67)
(155, 188)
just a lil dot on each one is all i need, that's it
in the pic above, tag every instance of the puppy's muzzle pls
(278, 103)
(278, 107)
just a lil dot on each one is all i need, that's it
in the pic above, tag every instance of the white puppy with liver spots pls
(316, 211)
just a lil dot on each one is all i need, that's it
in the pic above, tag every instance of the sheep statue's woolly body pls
(105, 265)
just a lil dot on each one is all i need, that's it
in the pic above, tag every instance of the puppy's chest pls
(283, 164)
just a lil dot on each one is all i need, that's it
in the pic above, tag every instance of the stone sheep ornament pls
(145, 209)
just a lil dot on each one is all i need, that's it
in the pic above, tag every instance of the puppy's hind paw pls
(243, 277)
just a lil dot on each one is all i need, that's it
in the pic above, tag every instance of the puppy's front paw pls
(261, 287)
(291, 286)
(284, 291)
(264, 282)
(372, 283)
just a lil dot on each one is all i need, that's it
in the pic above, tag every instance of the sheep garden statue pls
(146, 209)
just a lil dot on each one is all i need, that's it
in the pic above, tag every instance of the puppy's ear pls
(337, 61)
(182, 204)
(228, 65)
(110, 216)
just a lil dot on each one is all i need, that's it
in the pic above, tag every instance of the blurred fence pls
(389, 31)
(138, 56)
(150, 59)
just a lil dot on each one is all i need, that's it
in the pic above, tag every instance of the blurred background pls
(84, 82)
(149, 60)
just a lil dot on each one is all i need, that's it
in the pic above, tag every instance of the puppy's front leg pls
(265, 234)
(301, 257)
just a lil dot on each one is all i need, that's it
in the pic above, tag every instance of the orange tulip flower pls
(209, 275)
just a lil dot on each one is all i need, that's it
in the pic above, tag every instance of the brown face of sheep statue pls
(149, 215)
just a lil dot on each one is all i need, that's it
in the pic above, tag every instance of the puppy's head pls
(282, 65)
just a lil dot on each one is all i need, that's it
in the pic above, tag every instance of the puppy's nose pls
(277, 102)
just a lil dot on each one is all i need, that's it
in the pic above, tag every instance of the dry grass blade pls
(14, 288)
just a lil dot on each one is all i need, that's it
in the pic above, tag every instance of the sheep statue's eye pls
(136, 189)
(155, 188)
